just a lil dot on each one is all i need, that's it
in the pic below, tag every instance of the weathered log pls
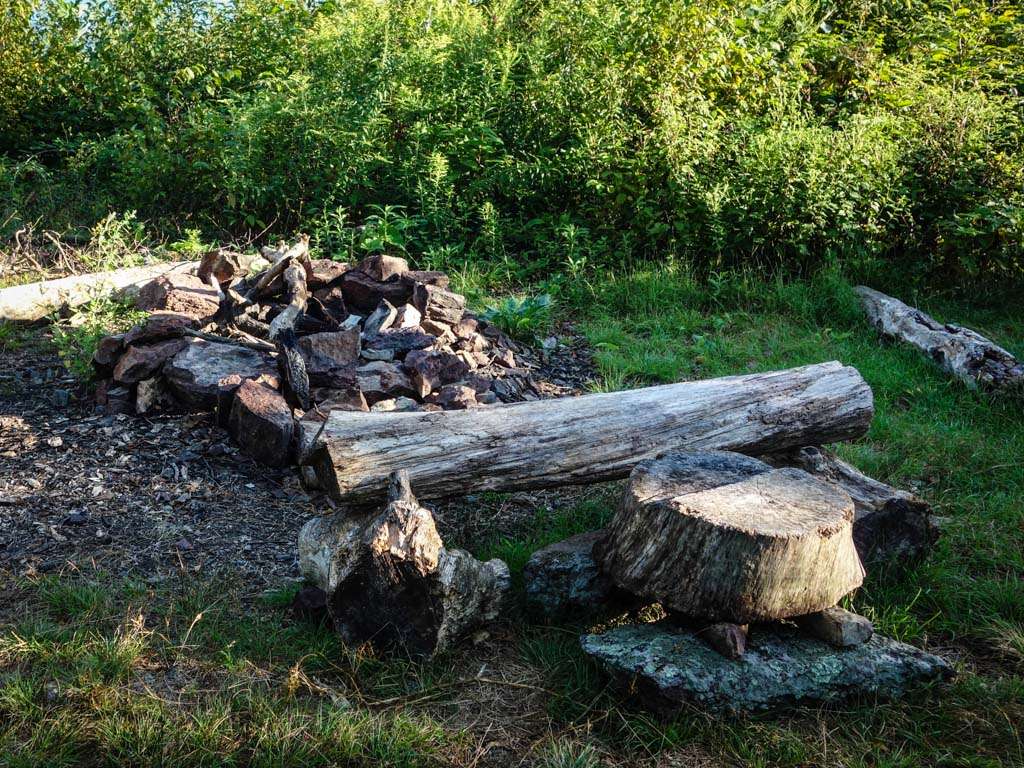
(34, 301)
(282, 333)
(587, 439)
(887, 523)
(966, 354)
(710, 536)
(390, 581)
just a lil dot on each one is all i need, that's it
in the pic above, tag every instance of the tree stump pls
(390, 581)
(713, 536)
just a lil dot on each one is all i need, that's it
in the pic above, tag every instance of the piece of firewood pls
(888, 523)
(588, 439)
(282, 333)
(35, 301)
(966, 354)
(709, 535)
(837, 627)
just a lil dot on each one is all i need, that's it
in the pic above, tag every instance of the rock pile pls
(749, 562)
(274, 345)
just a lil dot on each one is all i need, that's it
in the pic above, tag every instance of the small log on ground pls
(966, 354)
(888, 523)
(591, 438)
(692, 537)
(35, 301)
(390, 581)
(282, 333)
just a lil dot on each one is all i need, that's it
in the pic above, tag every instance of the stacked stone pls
(377, 337)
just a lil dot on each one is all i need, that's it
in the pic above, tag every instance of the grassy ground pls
(101, 672)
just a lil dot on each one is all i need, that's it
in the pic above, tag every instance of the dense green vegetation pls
(542, 135)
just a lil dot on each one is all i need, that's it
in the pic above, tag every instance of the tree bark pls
(709, 535)
(888, 523)
(282, 333)
(590, 438)
(966, 354)
(34, 301)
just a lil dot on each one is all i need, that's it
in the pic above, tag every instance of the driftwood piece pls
(282, 333)
(966, 354)
(888, 523)
(35, 301)
(692, 537)
(587, 439)
(390, 581)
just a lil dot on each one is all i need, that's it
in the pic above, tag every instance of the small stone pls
(455, 397)
(363, 293)
(407, 316)
(61, 398)
(324, 351)
(439, 304)
(147, 395)
(381, 267)
(839, 627)
(728, 639)
(669, 668)
(108, 350)
(181, 293)
(380, 319)
(183, 545)
(261, 424)
(325, 271)
(381, 381)
(195, 374)
(563, 578)
(431, 370)
(144, 361)
(380, 355)
(79, 517)
(55, 442)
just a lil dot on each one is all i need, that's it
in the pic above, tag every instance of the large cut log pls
(966, 354)
(587, 439)
(888, 523)
(34, 301)
(709, 535)
(390, 581)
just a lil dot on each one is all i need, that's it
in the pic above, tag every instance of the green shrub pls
(522, 319)
(76, 338)
(791, 134)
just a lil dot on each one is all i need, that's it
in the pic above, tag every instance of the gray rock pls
(563, 578)
(195, 373)
(667, 668)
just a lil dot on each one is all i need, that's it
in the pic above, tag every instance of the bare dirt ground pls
(148, 496)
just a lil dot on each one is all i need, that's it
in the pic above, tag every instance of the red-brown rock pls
(324, 351)
(455, 397)
(326, 271)
(427, 277)
(439, 304)
(143, 361)
(381, 381)
(333, 300)
(400, 341)
(181, 293)
(363, 293)
(431, 370)
(261, 424)
(109, 349)
(159, 325)
(196, 373)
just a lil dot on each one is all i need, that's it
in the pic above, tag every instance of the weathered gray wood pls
(35, 301)
(390, 581)
(692, 537)
(966, 354)
(590, 438)
(887, 523)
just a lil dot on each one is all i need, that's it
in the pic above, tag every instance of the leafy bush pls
(881, 134)
(77, 337)
(522, 319)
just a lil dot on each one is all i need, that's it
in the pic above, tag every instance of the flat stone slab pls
(667, 668)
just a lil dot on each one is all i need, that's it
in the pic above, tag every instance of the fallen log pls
(587, 439)
(34, 301)
(282, 333)
(966, 354)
